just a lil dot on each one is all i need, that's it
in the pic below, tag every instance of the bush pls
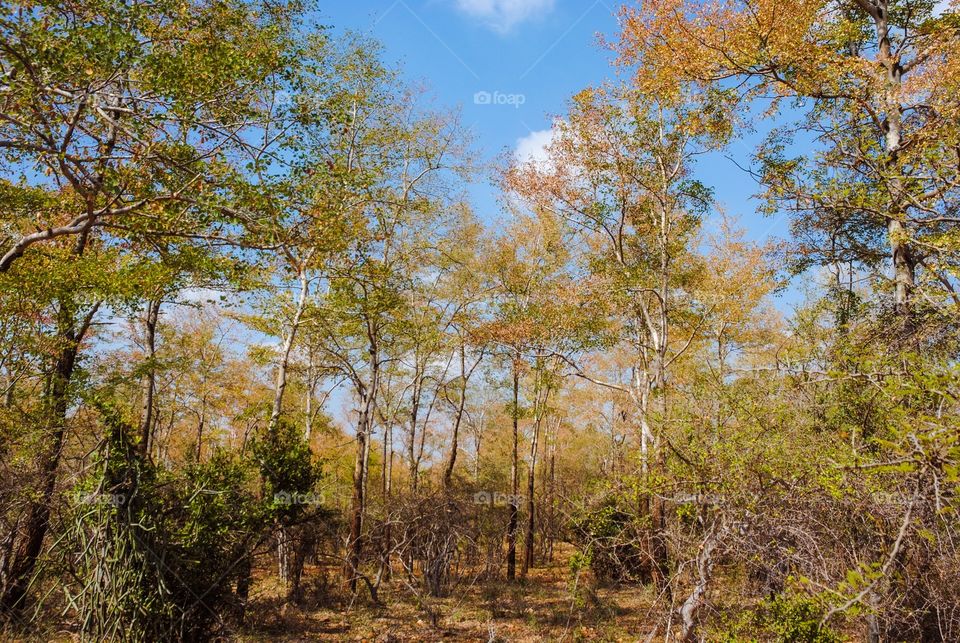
(795, 619)
(156, 553)
(609, 543)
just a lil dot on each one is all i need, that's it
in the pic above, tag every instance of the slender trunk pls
(551, 494)
(308, 402)
(354, 544)
(358, 503)
(422, 444)
(658, 385)
(387, 492)
(904, 263)
(514, 477)
(282, 368)
(454, 441)
(414, 415)
(528, 553)
(200, 427)
(455, 437)
(56, 403)
(150, 377)
(283, 550)
(477, 443)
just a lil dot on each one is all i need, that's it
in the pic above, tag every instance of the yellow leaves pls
(792, 46)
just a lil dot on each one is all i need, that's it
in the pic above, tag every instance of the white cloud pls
(504, 15)
(533, 146)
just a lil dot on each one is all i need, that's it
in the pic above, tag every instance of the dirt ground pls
(549, 605)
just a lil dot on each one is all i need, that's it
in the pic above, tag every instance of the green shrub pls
(795, 619)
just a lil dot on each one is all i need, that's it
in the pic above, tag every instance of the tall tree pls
(873, 84)
(376, 130)
(620, 171)
(529, 322)
(109, 114)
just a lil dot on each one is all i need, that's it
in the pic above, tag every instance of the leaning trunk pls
(55, 405)
(458, 418)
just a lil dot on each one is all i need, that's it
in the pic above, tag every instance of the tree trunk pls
(56, 402)
(455, 436)
(150, 377)
(414, 415)
(358, 503)
(387, 490)
(201, 425)
(477, 444)
(281, 382)
(551, 494)
(528, 553)
(354, 544)
(514, 477)
(280, 386)
(308, 401)
(904, 263)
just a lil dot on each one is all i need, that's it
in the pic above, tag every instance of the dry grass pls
(547, 605)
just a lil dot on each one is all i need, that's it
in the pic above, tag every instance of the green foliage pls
(163, 548)
(287, 469)
(606, 536)
(795, 619)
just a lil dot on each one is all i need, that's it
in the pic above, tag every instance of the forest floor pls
(549, 605)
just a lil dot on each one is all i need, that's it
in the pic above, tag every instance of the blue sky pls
(511, 65)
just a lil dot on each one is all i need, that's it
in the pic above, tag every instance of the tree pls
(120, 111)
(104, 131)
(873, 82)
(535, 302)
(375, 130)
(619, 170)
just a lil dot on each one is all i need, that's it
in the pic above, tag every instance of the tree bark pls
(458, 417)
(354, 544)
(284, 365)
(414, 415)
(358, 503)
(904, 263)
(387, 491)
(150, 377)
(56, 403)
(528, 552)
(514, 477)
